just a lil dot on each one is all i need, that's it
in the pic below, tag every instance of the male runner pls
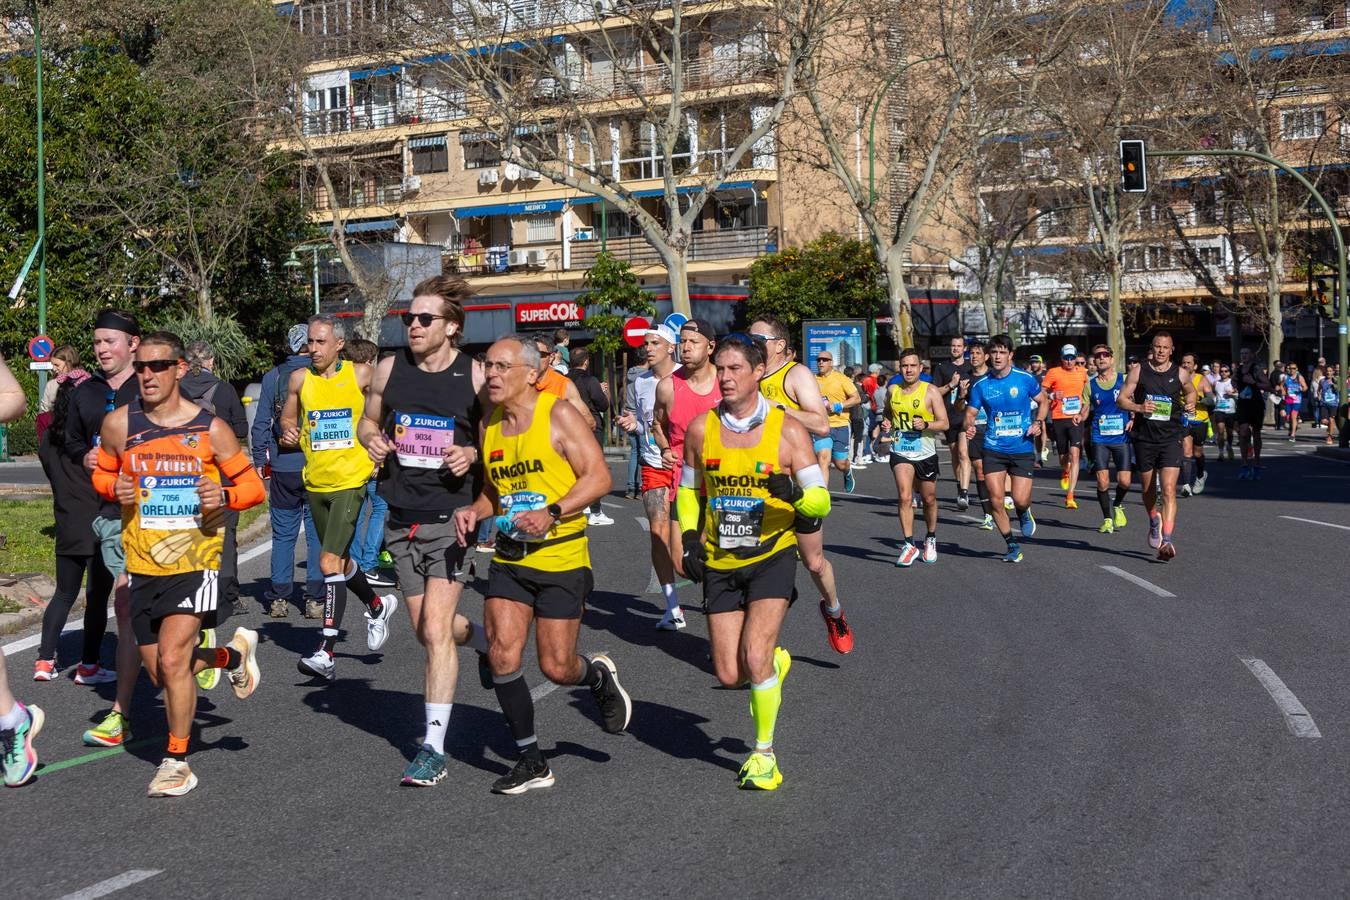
(839, 395)
(952, 379)
(758, 471)
(554, 381)
(1110, 438)
(915, 414)
(331, 395)
(979, 368)
(1065, 385)
(1251, 383)
(1158, 393)
(1036, 369)
(1197, 429)
(1016, 408)
(658, 491)
(544, 469)
(419, 426)
(163, 458)
(791, 386)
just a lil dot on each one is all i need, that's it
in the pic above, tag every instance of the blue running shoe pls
(1014, 554)
(1028, 524)
(849, 482)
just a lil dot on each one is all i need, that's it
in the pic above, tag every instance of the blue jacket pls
(267, 420)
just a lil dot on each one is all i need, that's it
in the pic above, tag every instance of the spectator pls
(562, 360)
(857, 419)
(593, 395)
(65, 365)
(637, 370)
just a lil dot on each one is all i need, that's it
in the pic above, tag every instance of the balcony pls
(722, 243)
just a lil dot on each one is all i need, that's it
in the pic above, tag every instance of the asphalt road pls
(1056, 728)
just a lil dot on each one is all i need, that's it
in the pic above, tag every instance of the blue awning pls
(516, 46)
(374, 225)
(435, 140)
(510, 209)
(695, 189)
(358, 74)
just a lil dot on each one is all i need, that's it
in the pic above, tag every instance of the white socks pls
(672, 599)
(11, 720)
(438, 720)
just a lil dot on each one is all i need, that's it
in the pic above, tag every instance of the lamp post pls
(293, 262)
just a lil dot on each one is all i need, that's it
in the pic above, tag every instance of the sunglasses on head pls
(154, 365)
(423, 319)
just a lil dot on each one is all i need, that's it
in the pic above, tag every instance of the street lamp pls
(293, 262)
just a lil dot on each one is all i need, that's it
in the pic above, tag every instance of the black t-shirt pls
(942, 376)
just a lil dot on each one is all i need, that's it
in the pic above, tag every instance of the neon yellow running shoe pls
(111, 732)
(1107, 527)
(760, 773)
(208, 678)
(1119, 514)
(782, 662)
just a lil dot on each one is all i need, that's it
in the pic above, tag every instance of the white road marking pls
(255, 552)
(112, 885)
(540, 691)
(1135, 579)
(642, 520)
(1296, 717)
(1315, 522)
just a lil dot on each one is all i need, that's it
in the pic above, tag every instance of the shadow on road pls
(676, 733)
(631, 620)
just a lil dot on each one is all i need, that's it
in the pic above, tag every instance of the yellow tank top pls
(330, 409)
(744, 524)
(1201, 411)
(529, 474)
(774, 387)
(908, 443)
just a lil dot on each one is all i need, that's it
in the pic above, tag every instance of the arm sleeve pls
(687, 507)
(247, 488)
(105, 474)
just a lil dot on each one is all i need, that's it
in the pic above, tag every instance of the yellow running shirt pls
(834, 387)
(529, 474)
(744, 524)
(330, 409)
(774, 387)
(1201, 413)
(909, 443)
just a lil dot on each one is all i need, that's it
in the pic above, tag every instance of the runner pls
(554, 380)
(658, 492)
(790, 385)
(544, 469)
(1158, 393)
(979, 368)
(917, 413)
(1193, 475)
(163, 458)
(1224, 415)
(1065, 385)
(331, 395)
(1110, 438)
(839, 395)
(1251, 383)
(1036, 369)
(1292, 390)
(952, 379)
(1016, 408)
(419, 427)
(759, 474)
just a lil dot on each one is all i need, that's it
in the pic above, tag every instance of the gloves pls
(695, 556)
(784, 487)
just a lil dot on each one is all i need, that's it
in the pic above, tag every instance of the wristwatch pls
(555, 511)
(224, 496)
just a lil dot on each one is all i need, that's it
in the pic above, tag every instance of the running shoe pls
(930, 550)
(385, 559)
(599, 518)
(377, 626)
(1070, 503)
(16, 747)
(1199, 486)
(45, 670)
(173, 778)
(313, 609)
(209, 677)
(1107, 527)
(246, 678)
(616, 708)
(279, 608)
(673, 620)
(849, 481)
(426, 769)
(836, 629)
(867, 459)
(93, 674)
(318, 664)
(759, 773)
(1167, 551)
(1155, 532)
(1185, 490)
(963, 500)
(1244, 473)
(378, 578)
(1028, 522)
(1008, 503)
(485, 547)
(988, 523)
(1118, 516)
(1256, 473)
(1014, 554)
(916, 502)
(909, 554)
(857, 464)
(527, 775)
(111, 732)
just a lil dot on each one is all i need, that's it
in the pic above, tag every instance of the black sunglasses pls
(154, 365)
(423, 319)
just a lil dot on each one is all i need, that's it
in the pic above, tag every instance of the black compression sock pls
(1008, 538)
(1199, 467)
(513, 694)
(1121, 491)
(334, 601)
(984, 497)
(1104, 501)
(590, 673)
(1187, 471)
(361, 587)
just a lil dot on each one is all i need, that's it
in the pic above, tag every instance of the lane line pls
(49, 768)
(1296, 717)
(255, 552)
(112, 885)
(540, 691)
(1135, 579)
(1315, 522)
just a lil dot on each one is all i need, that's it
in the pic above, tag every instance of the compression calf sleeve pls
(513, 694)
(1104, 501)
(765, 699)
(356, 580)
(1122, 490)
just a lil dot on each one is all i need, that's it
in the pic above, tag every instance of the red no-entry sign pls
(635, 331)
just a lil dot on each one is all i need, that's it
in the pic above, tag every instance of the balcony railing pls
(721, 243)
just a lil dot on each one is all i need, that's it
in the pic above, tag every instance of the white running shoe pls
(377, 627)
(1199, 486)
(909, 554)
(671, 621)
(1007, 502)
(319, 664)
(930, 550)
(599, 518)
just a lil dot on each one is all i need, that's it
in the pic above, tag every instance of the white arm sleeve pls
(810, 477)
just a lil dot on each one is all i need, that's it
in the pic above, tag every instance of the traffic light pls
(1325, 301)
(1133, 175)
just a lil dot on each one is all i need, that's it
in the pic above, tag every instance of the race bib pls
(739, 521)
(1226, 405)
(168, 502)
(331, 429)
(1073, 405)
(1162, 408)
(1293, 400)
(909, 442)
(421, 440)
(1008, 425)
(981, 417)
(1111, 425)
(1329, 398)
(513, 505)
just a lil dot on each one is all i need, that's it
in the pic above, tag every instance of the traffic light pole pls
(1344, 325)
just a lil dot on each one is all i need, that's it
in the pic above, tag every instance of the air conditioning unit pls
(487, 176)
(588, 234)
(538, 258)
(527, 174)
(510, 172)
(412, 184)
(545, 88)
(518, 258)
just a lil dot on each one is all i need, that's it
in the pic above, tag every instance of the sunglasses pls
(740, 337)
(423, 319)
(1101, 356)
(764, 337)
(158, 366)
(824, 359)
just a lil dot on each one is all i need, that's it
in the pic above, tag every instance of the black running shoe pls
(526, 776)
(615, 706)
(379, 578)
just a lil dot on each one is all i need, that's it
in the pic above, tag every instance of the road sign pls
(40, 348)
(635, 331)
(675, 322)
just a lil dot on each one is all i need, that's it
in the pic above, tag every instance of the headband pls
(111, 318)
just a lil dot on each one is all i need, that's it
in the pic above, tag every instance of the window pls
(1209, 256)
(326, 110)
(540, 229)
(481, 155)
(429, 154)
(1302, 122)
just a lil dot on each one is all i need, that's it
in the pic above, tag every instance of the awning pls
(358, 74)
(687, 189)
(373, 225)
(515, 46)
(510, 209)
(435, 140)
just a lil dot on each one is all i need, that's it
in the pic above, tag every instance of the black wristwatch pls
(555, 511)
(225, 497)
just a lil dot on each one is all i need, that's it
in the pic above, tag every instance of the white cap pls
(1068, 350)
(665, 333)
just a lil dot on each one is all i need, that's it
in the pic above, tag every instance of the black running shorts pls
(733, 589)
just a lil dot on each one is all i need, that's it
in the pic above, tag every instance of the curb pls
(1340, 453)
